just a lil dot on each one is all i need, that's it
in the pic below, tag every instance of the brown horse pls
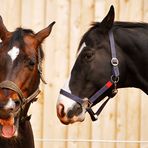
(20, 66)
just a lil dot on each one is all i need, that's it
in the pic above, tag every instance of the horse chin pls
(9, 127)
(67, 121)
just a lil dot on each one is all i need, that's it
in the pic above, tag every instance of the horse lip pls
(15, 126)
(68, 121)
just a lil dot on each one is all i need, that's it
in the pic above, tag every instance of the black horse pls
(20, 72)
(111, 55)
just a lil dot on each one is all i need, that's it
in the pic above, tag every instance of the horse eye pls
(88, 56)
(31, 62)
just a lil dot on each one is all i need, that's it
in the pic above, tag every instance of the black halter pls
(112, 82)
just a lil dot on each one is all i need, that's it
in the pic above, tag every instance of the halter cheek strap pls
(12, 86)
(111, 83)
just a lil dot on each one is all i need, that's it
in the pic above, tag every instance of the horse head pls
(107, 51)
(20, 66)
(91, 70)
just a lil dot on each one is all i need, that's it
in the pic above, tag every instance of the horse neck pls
(133, 55)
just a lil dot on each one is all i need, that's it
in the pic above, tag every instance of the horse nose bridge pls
(10, 105)
(9, 101)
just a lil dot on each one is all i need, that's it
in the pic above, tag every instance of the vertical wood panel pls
(59, 70)
(144, 98)
(128, 11)
(87, 14)
(87, 17)
(74, 34)
(34, 19)
(49, 111)
(121, 117)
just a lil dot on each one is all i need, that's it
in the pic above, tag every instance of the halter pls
(25, 100)
(112, 82)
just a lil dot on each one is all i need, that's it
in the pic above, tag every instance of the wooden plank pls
(53, 128)
(49, 115)
(144, 120)
(26, 13)
(74, 30)
(109, 123)
(34, 19)
(133, 116)
(87, 17)
(121, 117)
(99, 11)
(87, 14)
(144, 99)
(145, 10)
(74, 33)
(98, 126)
(116, 4)
(109, 113)
(84, 132)
(128, 11)
(6, 12)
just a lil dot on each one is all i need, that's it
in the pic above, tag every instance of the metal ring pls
(114, 79)
(87, 103)
(114, 61)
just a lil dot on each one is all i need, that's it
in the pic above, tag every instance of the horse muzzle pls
(9, 111)
(71, 115)
(9, 127)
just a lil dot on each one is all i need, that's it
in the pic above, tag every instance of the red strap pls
(109, 84)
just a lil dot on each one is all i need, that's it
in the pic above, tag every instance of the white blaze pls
(13, 53)
(81, 48)
(67, 102)
(10, 104)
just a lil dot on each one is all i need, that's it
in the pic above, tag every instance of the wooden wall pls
(124, 118)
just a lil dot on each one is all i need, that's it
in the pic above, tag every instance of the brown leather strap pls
(12, 86)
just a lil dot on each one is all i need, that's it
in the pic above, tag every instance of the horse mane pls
(116, 25)
(18, 36)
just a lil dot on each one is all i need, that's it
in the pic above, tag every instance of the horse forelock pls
(18, 37)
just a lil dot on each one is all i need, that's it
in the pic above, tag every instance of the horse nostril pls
(60, 110)
(70, 114)
(77, 109)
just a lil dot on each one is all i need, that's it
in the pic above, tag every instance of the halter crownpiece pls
(112, 82)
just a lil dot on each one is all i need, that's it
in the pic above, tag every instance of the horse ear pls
(108, 21)
(3, 31)
(41, 35)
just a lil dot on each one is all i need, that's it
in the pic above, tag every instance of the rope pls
(90, 140)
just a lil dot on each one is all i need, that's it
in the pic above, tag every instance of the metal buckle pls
(114, 61)
(114, 79)
(86, 103)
